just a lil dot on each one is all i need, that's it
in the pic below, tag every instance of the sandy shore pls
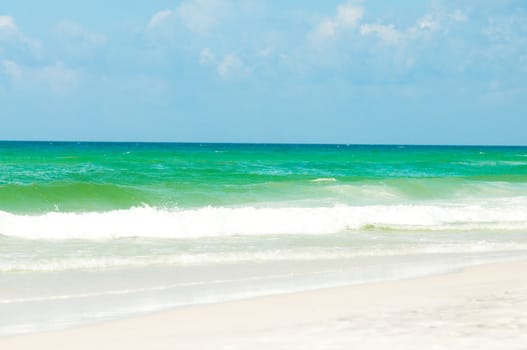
(478, 308)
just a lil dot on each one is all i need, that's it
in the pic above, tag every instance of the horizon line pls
(267, 143)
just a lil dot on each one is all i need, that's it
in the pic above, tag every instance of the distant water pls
(159, 225)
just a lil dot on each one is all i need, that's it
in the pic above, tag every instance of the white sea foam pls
(151, 222)
(325, 179)
(195, 259)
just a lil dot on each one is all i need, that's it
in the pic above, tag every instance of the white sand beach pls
(482, 307)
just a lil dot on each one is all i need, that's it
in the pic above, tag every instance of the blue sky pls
(418, 72)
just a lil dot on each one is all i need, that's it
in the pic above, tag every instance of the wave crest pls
(152, 222)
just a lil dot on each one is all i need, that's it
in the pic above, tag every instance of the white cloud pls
(458, 16)
(228, 67)
(57, 78)
(10, 33)
(347, 16)
(197, 16)
(162, 29)
(386, 33)
(201, 16)
(232, 67)
(327, 28)
(428, 22)
(438, 22)
(8, 24)
(206, 56)
(77, 41)
(425, 25)
(388, 49)
(159, 18)
(266, 51)
(71, 30)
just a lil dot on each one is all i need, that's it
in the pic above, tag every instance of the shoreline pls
(483, 306)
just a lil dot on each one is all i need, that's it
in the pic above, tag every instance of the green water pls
(38, 177)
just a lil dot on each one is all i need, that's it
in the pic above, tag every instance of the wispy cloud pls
(197, 16)
(422, 28)
(232, 67)
(387, 33)
(206, 56)
(228, 67)
(11, 34)
(201, 16)
(78, 41)
(159, 18)
(56, 78)
(458, 16)
(347, 16)
(352, 36)
(7, 24)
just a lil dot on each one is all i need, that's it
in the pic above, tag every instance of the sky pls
(291, 71)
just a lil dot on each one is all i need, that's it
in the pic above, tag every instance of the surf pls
(151, 222)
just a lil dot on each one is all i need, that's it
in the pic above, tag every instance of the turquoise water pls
(103, 230)
(98, 190)
(76, 177)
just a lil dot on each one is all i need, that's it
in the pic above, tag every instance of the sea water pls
(95, 231)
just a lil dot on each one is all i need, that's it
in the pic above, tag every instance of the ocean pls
(98, 231)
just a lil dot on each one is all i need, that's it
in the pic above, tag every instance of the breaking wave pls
(150, 222)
